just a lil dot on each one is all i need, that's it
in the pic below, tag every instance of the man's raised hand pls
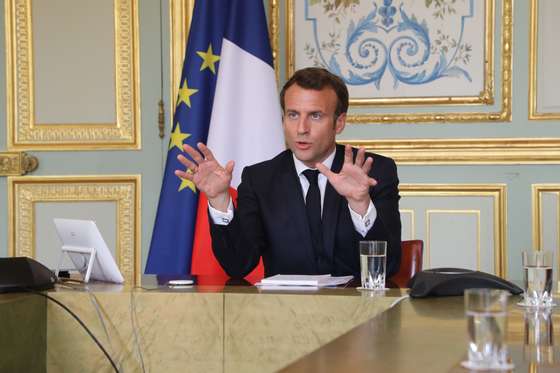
(207, 174)
(353, 181)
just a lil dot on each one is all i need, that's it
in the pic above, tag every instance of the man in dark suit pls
(304, 211)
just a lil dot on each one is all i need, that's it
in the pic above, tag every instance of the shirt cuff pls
(219, 217)
(363, 224)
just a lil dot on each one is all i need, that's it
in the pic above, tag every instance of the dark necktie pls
(313, 206)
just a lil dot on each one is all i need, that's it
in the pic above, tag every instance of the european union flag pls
(172, 237)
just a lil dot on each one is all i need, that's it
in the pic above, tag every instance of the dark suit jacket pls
(271, 221)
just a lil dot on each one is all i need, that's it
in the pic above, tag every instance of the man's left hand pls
(353, 181)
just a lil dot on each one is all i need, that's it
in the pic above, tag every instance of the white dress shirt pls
(362, 224)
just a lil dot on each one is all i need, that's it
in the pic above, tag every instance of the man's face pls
(309, 124)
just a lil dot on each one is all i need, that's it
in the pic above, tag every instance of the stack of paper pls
(302, 281)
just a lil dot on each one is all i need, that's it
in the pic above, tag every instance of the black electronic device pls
(439, 282)
(21, 273)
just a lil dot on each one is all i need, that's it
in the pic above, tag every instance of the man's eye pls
(292, 115)
(316, 116)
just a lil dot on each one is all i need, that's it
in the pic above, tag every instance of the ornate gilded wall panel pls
(434, 197)
(539, 55)
(373, 47)
(25, 192)
(25, 133)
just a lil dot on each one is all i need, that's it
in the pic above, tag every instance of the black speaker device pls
(441, 282)
(21, 273)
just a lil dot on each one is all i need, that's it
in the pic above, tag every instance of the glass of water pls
(537, 278)
(373, 260)
(486, 311)
(538, 344)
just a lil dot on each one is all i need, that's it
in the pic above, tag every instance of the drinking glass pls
(373, 260)
(537, 278)
(538, 344)
(486, 311)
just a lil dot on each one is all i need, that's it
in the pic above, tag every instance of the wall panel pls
(461, 225)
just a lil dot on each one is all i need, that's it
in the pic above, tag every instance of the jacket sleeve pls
(238, 245)
(387, 226)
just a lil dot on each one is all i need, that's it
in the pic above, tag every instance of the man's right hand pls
(207, 175)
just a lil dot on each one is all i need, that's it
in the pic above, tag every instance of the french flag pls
(229, 100)
(246, 116)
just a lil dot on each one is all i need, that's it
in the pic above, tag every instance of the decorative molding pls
(274, 32)
(466, 151)
(25, 191)
(10, 164)
(533, 61)
(17, 163)
(486, 97)
(412, 221)
(496, 191)
(180, 14)
(25, 134)
(536, 211)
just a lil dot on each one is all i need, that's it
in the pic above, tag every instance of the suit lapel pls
(294, 200)
(331, 206)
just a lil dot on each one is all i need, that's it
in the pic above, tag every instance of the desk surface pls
(425, 335)
(211, 327)
(229, 328)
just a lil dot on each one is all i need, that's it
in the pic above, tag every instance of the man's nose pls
(302, 126)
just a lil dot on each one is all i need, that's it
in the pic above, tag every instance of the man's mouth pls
(303, 145)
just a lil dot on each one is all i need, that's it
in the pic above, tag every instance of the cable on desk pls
(79, 321)
(68, 283)
(95, 302)
(99, 312)
(70, 280)
(134, 322)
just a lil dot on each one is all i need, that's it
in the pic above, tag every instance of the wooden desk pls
(210, 328)
(423, 335)
(216, 328)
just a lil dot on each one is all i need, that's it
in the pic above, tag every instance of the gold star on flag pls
(208, 59)
(177, 138)
(185, 94)
(185, 183)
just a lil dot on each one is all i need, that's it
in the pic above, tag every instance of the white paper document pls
(304, 280)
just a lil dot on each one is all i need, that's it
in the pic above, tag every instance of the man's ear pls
(340, 123)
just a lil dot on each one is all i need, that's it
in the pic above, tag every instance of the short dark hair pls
(317, 78)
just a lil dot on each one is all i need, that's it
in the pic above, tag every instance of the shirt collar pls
(300, 166)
